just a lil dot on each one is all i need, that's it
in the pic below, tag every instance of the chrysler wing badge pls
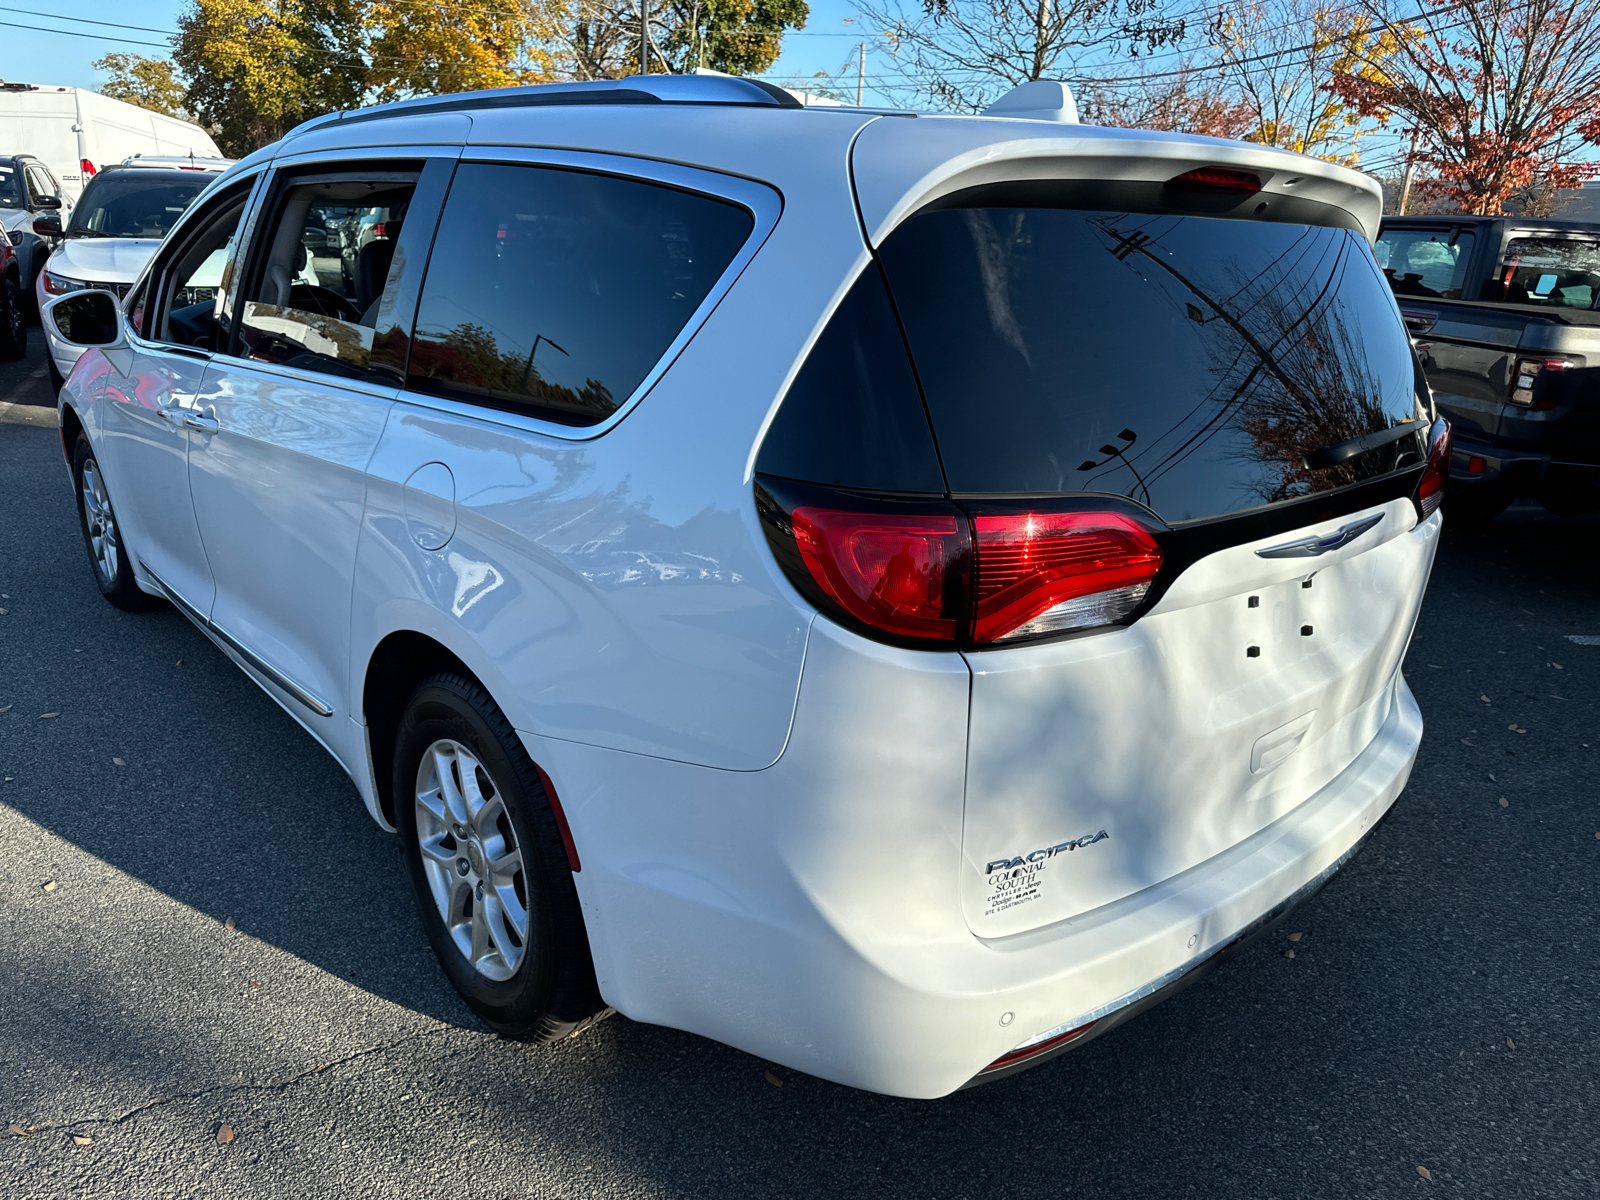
(1312, 547)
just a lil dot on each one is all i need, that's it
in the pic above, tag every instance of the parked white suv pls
(114, 230)
(895, 594)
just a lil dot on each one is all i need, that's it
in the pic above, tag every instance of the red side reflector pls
(1034, 1049)
(567, 843)
(1042, 573)
(892, 571)
(1476, 465)
(86, 167)
(1216, 179)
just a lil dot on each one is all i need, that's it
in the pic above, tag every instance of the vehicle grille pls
(120, 289)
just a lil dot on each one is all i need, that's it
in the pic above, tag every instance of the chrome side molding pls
(1312, 547)
(255, 661)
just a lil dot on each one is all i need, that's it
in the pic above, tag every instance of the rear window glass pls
(1424, 262)
(1188, 363)
(135, 203)
(1551, 272)
(10, 188)
(557, 291)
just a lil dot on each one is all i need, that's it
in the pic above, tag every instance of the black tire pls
(13, 320)
(551, 993)
(1475, 506)
(116, 585)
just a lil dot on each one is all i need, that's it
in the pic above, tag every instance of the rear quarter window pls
(1186, 362)
(1425, 262)
(555, 292)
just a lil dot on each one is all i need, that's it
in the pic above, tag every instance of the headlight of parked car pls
(15, 235)
(58, 285)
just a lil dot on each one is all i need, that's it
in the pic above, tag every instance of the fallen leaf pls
(224, 1134)
(1492, 779)
(1288, 953)
(1504, 803)
(180, 662)
(1510, 1044)
(254, 984)
(18, 1131)
(7, 708)
(119, 762)
(1485, 699)
(1466, 742)
(1425, 1173)
(81, 1140)
(49, 885)
(772, 1079)
(1436, 666)
(4, 611)
(47, 716)
(1515, 728)
(1558, 666)
(228, 924)
(1295, 937)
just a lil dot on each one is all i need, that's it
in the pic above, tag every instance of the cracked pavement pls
(320, 1030)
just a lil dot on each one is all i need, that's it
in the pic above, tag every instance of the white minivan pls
(897, 594)
(76, 132)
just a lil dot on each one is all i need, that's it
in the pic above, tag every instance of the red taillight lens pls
(377, 230)
(1035, 1048)
(1042, 573)
(86, 167)
(901, 573)
(1520, 389)
(1431, 490)
(1216, 179)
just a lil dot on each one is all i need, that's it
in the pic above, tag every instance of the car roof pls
(179, 162)
(899, 160)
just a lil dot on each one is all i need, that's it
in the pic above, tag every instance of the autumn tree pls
(147, 82)
(1501, 93)
(1281, 58)
(963, 54)
(1185, 100)
(600, 39)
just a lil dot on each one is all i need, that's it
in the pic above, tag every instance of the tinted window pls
(1551, 272)
(134, 204)
(853, 416)
(1186, 362)
(557, 291)
(1424, 262)
(11, 187)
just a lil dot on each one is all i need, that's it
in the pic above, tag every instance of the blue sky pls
(31, 55)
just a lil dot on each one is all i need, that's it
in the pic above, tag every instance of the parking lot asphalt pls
(200, 927)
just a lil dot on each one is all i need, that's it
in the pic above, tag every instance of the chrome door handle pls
(203, 423)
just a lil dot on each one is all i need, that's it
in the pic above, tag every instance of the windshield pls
(1189, 363)
(1424, 262)
(1551, 272)
(11, 187)
(135, 203)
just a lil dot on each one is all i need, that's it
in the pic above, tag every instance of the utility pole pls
(644, 37)
(861, 75)
(1405, 187)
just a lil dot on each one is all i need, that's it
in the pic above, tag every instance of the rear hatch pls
(1196, 394)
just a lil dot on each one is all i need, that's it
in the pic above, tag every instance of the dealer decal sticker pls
(1014, 881)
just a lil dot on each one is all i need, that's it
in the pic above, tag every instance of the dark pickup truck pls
(1505, 314)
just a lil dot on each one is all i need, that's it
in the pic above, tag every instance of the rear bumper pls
(1522, 472)
(807, 913)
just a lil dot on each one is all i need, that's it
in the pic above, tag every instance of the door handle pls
(201, 422)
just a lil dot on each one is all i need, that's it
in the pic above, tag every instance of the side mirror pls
(91, 318)
(48, 225)
(47, 202)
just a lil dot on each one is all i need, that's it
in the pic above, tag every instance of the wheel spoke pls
(516, 916)
(471, 793)
(502, 869)
(494, 917)
(486, 823)
(480, 931)
(443, 761)
(433, 803)
(432, 847)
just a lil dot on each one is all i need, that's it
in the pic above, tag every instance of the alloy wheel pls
(104, 543)
(472, 859)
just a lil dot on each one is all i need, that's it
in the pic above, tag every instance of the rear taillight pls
(86, 167)
(1039, 1045)
(935, 573)
(377, 230)
(1520, 390)
(1040, 573)
(898, 572)
(1431, 490)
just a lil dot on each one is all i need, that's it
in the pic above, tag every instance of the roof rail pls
(635, 89)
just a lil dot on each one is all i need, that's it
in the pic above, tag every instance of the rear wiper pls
(1332, 456)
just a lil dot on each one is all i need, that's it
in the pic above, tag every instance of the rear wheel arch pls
(71, 430)
(398, 664)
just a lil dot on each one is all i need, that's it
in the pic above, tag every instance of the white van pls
(76, 132)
